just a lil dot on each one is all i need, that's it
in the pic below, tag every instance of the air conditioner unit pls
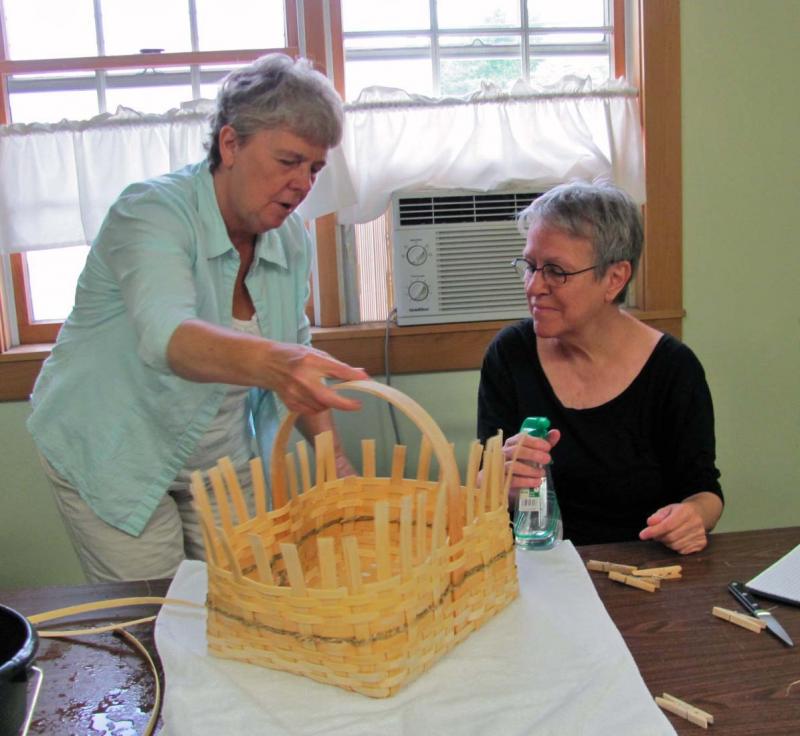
(452, 252)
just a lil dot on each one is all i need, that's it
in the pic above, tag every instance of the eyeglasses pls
(553, 275)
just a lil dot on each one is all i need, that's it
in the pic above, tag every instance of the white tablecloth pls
(551, 664)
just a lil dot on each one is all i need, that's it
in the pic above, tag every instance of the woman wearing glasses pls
(633, 445)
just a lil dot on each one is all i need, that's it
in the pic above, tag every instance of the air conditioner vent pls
(462, 208)
(452, 253)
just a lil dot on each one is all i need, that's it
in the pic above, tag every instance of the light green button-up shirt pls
(108, 413)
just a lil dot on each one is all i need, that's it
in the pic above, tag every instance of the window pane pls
(52, 276)
(147, 97)
(49, 29)
(412, 75)
(463, 76)
(550, 69)
(566, 12)
(53, 106)
(240, 24)
(384, 15)
(477, 13)
(146, 24)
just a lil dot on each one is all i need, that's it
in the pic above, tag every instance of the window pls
(77, 74)
(93, 57)
(450, 48)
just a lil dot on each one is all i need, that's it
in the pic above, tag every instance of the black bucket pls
(18, 645)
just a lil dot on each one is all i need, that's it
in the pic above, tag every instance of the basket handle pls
(423, 421)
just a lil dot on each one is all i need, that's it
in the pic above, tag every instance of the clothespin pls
(685, 710)
(740, 619)
(599, 566)
(643, 584)
(670, 572)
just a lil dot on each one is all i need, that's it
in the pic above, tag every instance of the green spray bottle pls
(537, 521)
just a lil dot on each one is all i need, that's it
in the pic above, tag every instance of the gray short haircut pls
(276, 91)
(603, 213)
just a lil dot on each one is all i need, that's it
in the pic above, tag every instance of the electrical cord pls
(391, 317)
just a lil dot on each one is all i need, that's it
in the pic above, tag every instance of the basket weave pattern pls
(360, 582)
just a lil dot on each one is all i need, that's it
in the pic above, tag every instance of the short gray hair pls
(603, 213)
(276, 91)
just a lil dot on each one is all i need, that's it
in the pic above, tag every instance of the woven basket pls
(360, 582)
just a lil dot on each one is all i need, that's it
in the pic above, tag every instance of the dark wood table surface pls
(100, 685)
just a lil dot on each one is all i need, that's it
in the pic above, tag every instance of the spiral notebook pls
(781, 580)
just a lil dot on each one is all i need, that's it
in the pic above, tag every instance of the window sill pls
(418, 349)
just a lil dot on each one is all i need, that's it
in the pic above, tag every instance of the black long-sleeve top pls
(616, 463)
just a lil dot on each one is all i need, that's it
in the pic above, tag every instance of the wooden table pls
(744, 679)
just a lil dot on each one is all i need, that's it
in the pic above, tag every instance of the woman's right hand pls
(300, 381)
(532, 454)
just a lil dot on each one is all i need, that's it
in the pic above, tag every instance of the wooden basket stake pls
(368, 458)
(422, 524)
(324, 456)
(382, 558)
(305, 473)
(222, 501)
(234, 489)
(291, 472)
(327, 562)
(406, 511)
(439, 521)
(398, 463)
(259, 486)
(262, 561)
(352, 564)
(473, 465)
(294, 568)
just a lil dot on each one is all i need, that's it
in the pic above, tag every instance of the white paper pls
(551, 664)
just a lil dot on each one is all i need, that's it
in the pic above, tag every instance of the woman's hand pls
(299, 381)
(533, 453)
(683, 526)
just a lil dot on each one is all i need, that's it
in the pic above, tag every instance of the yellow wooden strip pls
(406, 511)
(352, 564)
(291, 472)
(294, 569)
(438, 535)
(327, 562)
(382, 558)
(233, 563)
(422, 525)
(323, 448)
(262, 561)
(203, 505)
(234, 488)
(259, 486)
(222, 501)
(398, 463)
(368, 458)
(305, 473)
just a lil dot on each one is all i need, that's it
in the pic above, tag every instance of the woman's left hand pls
(679, 526)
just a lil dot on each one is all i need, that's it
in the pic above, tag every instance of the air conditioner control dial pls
(418, 291)
(416, 255)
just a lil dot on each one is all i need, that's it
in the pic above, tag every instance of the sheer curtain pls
(535, 138)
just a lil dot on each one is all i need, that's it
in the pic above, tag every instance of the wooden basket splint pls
(361, 582)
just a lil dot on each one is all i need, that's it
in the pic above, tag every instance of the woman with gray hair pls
(633, 447)
(189, 328)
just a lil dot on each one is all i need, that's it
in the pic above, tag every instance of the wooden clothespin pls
(685, 710)
(670, 572)
(599, 566)
(740, 619)
(634, 582)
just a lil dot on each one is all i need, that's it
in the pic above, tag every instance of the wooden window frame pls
(655, 70)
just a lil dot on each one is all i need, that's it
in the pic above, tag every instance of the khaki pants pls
(108, 554)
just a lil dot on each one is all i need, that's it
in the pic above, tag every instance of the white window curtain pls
(57, 181)
(533, 138)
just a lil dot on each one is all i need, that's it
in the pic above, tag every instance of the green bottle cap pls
(536, 426)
